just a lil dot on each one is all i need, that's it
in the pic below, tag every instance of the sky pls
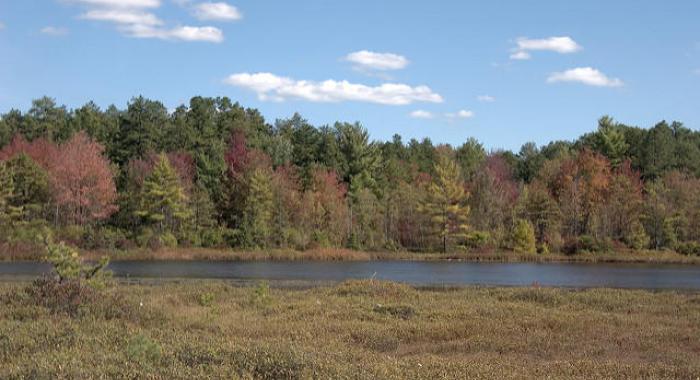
(504, 72)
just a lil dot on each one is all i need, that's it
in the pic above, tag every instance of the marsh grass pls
(355, 330)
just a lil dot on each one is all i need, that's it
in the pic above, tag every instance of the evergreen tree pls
(163, 201)
(257, 213)
(8, 213)
(524, 237)
(446, 202)
(31, 186)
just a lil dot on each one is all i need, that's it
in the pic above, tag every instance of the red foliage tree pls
(82, 181)
(40, 150)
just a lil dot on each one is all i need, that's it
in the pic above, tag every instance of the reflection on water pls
(419, 273)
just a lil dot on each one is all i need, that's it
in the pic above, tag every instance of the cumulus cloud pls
(183, 33)
(561, 45)
(54, 31)
(123, 16)
(370, 60)
(217, 11)
(135, 18)
(486, 98)
(272, 87)
(120, 3)
(585, 75)
(421, 114)
(461, 114)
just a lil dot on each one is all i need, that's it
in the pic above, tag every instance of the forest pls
(215, 174)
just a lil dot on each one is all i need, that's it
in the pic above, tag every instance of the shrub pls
(61, 297)
(143, 350)
(261, 294)
(688, 248)
(212, 238)
(71, 234)
(205, 299)
(273, 362)
(167, 239)
(104, 238)
(398, 311)
(477, 239)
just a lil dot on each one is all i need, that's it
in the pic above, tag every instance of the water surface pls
(648, 276)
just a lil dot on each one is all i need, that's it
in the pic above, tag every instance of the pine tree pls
(163, 201)
(8, 213)
(257, 214)
(524, 237)
(445, 203)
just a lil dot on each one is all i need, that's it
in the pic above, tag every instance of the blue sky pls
(447, 70)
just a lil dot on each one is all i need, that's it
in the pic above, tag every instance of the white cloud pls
(377, 61)
(272, 87)
(2, 26)
(421, 114)
(486, 98)
(585, 75)
(183, 33)
(696, 71)
(123, 16)
(562, 45)
(54, 31)
(120, 3)
(134, 19)
(520, 55)
(461, 114)
(217, 11)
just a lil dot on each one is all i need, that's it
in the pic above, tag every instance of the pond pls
(646, 276)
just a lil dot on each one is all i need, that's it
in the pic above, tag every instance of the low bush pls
(398, 311)
(143, 350)
(690, 248)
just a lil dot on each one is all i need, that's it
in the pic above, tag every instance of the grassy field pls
(354, 330)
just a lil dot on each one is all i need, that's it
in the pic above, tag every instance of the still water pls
(413, 272)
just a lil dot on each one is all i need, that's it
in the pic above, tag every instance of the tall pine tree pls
(163, 201)
(445, 203)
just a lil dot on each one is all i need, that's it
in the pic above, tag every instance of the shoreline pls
(226, 255)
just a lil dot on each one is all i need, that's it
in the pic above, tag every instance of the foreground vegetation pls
(354, 330)
(215, 175)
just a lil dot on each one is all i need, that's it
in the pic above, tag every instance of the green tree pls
(470, 157)
(163, 201)
(524, 237)
(8, 213)
(258, 210)
(445, 203)
(31, 186)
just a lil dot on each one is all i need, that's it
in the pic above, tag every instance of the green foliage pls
(293, 184)
(205, 299)
(163, 201)
(445, 203)
(31, 190)
(477, 239)
(260, 295)
(143, 350)
(68, 265)
(637, 237)
(524, 237)
(8, 213)
(257, 214)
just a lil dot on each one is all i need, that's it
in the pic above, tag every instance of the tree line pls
(215, 174)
